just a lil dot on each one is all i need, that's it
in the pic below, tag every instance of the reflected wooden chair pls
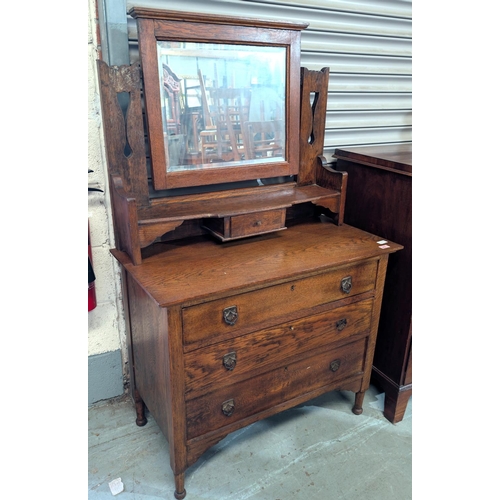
(171, 88)
(219, 143)
(222, 139)
(263, 139)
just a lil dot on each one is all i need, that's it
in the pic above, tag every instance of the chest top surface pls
(202, 268)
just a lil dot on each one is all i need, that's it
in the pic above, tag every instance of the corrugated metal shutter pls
(366, 44)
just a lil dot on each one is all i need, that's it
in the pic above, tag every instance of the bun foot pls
(141, 421)
(179, 486)
(357, 410)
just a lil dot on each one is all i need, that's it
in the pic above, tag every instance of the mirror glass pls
(222, 104)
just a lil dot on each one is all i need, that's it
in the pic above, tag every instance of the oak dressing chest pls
(246, 293)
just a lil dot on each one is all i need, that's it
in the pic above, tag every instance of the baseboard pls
(105, 376)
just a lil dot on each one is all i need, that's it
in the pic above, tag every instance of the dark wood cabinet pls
(242, 300)
(379, 200)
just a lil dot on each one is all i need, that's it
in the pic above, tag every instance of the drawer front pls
(232, 403)
(256, 223)
(228, 316)
(232, 360)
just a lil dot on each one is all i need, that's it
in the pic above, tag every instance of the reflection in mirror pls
(221, 104)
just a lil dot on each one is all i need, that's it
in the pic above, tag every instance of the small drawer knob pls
(346, 284)
(341, 324)
(230, 315)
(229, 360)
(228, 407)
(335, 365)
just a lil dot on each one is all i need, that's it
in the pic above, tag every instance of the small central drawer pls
(229, 404)
(206, 323)
(251, 224)
(258, 222)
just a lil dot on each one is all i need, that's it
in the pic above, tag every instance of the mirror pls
(221, 104)
(222, 97)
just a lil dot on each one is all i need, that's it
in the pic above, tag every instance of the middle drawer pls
(206, 323)
(232, 360)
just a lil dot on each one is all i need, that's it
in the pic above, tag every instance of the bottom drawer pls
(231, 403)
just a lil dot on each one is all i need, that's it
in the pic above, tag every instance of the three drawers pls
(210, 322)
(248, 353)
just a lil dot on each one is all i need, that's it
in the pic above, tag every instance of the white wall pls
(106, 326)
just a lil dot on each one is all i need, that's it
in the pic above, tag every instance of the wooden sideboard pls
(379, 200)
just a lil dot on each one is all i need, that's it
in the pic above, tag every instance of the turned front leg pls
(139, 409)
(357, 409)
(180, 491)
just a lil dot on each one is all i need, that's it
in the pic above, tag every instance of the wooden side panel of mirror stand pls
(125, 220)
(312, 121)
(313, 167)
(125, 151)
(125, 148)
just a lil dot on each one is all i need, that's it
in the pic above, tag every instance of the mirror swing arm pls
(141, 219)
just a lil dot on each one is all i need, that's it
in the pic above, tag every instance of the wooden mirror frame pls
(157, 25)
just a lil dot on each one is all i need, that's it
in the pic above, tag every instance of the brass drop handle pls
(335, 365)
(229, 360)
(346, 284)
(341, 324)
(228, 407)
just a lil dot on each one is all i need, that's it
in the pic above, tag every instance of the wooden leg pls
(141, 419)
(180, 491)
(357, 409)
(395, 405)
(396, 396)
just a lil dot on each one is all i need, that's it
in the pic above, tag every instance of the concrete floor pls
(319, 450)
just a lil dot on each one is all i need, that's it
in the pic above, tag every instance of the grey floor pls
(319, 450)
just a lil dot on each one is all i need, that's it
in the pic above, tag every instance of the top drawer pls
(207, 322)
